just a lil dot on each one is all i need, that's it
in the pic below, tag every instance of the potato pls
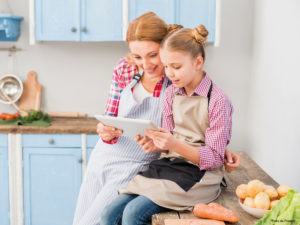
(273, 203)
(271, 191)
(241, 191)
(249, 202)
(262, 201)
(254, 187)
(283, 190)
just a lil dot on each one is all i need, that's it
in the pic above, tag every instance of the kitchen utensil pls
(11, 89)
(31, 98)
(22, 113)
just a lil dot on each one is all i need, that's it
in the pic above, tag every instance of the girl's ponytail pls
(200, 34)
(187, 40)
(173, 27)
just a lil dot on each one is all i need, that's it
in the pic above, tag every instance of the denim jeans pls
(130, 210)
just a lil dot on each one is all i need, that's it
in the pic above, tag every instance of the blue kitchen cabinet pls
(191, 13)
(57, 20)
(164, 8)
(188, 13)
(4, 194)
(52, 174)
(101, 20)
(79, 20)
(91, 143)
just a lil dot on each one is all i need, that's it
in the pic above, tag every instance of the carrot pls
(207, 222)
(215, 211)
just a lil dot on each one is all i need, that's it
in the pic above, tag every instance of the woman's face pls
(145, 55)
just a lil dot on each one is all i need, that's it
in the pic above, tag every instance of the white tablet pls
(131, 127)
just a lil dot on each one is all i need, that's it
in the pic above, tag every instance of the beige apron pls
(190, 115)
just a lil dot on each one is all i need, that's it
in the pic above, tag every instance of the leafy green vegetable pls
(285, 212)
(34, 118)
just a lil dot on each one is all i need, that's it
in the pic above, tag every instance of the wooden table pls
(248, 170)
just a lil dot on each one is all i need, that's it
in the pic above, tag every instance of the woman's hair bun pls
(200, 34)
(173, 27)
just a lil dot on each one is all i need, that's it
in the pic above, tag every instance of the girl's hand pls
(107, 133)
(232, 161)
(146, 143)
(162, 138)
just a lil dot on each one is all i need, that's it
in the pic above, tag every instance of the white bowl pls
(258, 213)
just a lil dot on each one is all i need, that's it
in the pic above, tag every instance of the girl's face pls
(145, 55)
(181, 68)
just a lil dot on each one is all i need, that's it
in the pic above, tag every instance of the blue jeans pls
(130, 210)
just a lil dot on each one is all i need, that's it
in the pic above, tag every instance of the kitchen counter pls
(58, 125)
(248, 170)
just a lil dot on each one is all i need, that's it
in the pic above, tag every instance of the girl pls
(197, 129)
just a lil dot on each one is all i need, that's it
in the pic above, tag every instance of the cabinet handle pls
(84, 30)
(73, 29)
(80, 161)
(51, 141)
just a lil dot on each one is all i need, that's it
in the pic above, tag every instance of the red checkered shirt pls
(218, 134)
(122, 76)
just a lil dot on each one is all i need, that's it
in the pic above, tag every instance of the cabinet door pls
(91, 143)
(4, 199)
(101, 20)
(163, 8)
(52, 178)
(191, 13)
(57, 20)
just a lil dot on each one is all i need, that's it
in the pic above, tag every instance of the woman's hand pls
(161, 138)
(232, 161)
(108, 133)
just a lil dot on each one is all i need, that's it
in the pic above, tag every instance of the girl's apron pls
(112, 166)
(172, 181)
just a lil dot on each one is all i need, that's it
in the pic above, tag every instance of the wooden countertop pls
(59, 125)
(248, 170)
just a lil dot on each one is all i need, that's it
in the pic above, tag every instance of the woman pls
(136, 91)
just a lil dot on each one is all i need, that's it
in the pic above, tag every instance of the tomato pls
(8, 116)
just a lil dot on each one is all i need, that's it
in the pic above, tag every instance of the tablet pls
(131, 127)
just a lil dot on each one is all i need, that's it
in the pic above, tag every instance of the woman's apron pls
(121, 161)
(112, 166)
(172, 181)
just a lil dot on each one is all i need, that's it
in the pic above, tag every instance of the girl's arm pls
(209, 156)
(217, 135)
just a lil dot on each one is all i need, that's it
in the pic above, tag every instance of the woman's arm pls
(122, 76)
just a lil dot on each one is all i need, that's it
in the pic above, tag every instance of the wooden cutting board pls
(32, 93)
(192, 221)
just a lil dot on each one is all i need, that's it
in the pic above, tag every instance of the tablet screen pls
(131, 127)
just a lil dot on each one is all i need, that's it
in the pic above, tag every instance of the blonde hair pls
(149, 27)
(187, 40)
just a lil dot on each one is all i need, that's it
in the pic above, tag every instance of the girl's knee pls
(134, 214)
